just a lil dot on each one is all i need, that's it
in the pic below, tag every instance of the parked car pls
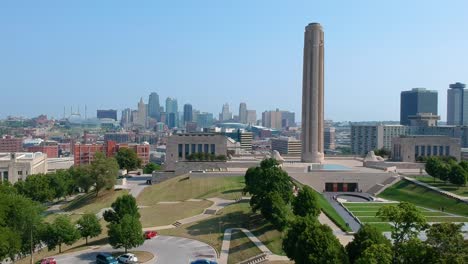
(150, 234)
(203, 261)
(106, 258)
(47, 261)
(127, 258)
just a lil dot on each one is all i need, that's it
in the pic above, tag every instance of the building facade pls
(18, 166)
(243, 113)
(365, 138)
(252, 117)
(110, 114)
(417, 100)
(188, 113)
(225, 115)
(11, 144)
(286, 146)
(411, 148)
(272, 119)
(154, 107)
(457, 105)
(329, 138)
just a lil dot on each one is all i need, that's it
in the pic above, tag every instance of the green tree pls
(383, 152)
(37, 187)
(306, 203)
(414, 251)
(128, 159)
(366, 237)
(446, 241)
(89, 226)
(309, 242)
(150, 167)
(10, 243)
(376, 254)
(444, 172)
(82, 177)
(464, 164)
(104, 172)
(61, 231)
(432, 166)
(457, 175)
(269, 177)
(126, 234)
(407, 221)
(123, 205)
(276, 211)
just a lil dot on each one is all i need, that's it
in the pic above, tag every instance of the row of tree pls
(202, 156)
(447, 169)
(308, 241)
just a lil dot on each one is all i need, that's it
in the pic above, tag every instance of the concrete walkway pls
(458, 197)
(353, 224)
(223, 259)
(342, 236)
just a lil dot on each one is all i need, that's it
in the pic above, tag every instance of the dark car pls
(203, 261)
(105, 258)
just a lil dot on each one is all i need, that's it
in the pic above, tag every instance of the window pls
(194, 148)
(213, 149)
(447, 150)
(5, 176)
(180, 150)
(434, 150)
(429, 150)
(441, 151)
(187, 150)
(416, 151)
(200, 148)
(20, 173)
(206, 148)
(423, 150)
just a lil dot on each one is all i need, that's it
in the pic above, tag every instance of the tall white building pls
(243, 113)
(457, 105)
(225, 115)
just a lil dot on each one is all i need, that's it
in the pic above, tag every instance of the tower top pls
(314, 26)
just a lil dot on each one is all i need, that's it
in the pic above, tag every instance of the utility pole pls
(31, 237)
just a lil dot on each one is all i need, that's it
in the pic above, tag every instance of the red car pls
(47, 261)
(150, 234)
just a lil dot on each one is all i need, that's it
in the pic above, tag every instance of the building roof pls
(6, 156)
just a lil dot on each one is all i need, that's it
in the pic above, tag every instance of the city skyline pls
(117, 63)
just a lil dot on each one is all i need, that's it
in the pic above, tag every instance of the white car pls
(127, 258)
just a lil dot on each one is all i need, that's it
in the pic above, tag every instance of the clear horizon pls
(108, 54)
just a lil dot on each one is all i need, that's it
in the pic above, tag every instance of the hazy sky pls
(108, 54)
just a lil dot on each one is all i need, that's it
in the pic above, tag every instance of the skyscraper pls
(225, 115)
(251, 117)
(172, 108)
(188, 114)
(153, 106)
(141, 114)
(243, 113)
(418, 100)
(457, 105)
(312, 94)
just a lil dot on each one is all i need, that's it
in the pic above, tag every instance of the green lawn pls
(446, 186)
(89, 203)
(211, 230)
(241, 248)
(166, 214)
(183, 188)
(382, 227)
(420, 196)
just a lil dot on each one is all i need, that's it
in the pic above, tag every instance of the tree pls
(407, 221)
(62, 231)
(366, 237)
(383, 152)
(103, 171)
(457, 175)
(37, 187)
(89, 226)
(446, 241)
(127, 159)
(127, 234)
(376, 254)
(464, 164)
(82, 177)
(123, 205)
(432, 166)
(444, 171)
(10, 243)
(306, 203)
(414, 251)
(276, 211)
(150, 167)
(309, 242)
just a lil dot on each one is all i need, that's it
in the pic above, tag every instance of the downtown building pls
(365, 138)
(84, 153)
(107, 114)
(286, 146)
(415, 101)
(457, 105)
(18, 166)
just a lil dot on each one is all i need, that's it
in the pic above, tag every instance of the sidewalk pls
(342, 236)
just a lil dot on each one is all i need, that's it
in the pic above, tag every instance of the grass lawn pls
(382, 227)
(463, 190)
(89, 203)
(166, 214)
(420, 196)
(182, 188)
(211, 230)
(241, 248)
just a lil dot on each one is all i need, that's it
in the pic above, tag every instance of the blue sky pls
(108, 54)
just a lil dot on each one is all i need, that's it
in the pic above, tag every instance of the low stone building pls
(286, 146)
(18, 166)
(409, 148)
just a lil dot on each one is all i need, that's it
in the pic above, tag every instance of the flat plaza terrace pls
(340, 175)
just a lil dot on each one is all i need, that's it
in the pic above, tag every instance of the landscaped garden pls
(446, 186)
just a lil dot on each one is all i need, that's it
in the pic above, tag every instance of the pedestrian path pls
(343, 237)
(223, 258)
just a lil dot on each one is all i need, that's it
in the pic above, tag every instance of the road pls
(167, 249)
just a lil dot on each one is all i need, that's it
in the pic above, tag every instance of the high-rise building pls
(172, 108)
(312, 95)
(111, 114)
(243, 113)
(154, 110)
(272, 119)
(225, 115)
(126, 118)
(457, 105)
(286, 146)
(11, 144)
(205, 120)
(188, 114)
(288, 119)
(251, 117)
(329, 138)
(365, 138)
(141, 114)
(417, 100)
(172, 120)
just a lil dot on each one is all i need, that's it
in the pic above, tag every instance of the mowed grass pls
(424, 197)
(211, 230)
(89, 203)
(166, 214)
(446, 186)
(382, 227)
(183, 188)
(241, 248)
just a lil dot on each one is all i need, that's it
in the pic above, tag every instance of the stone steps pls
(262, 258)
